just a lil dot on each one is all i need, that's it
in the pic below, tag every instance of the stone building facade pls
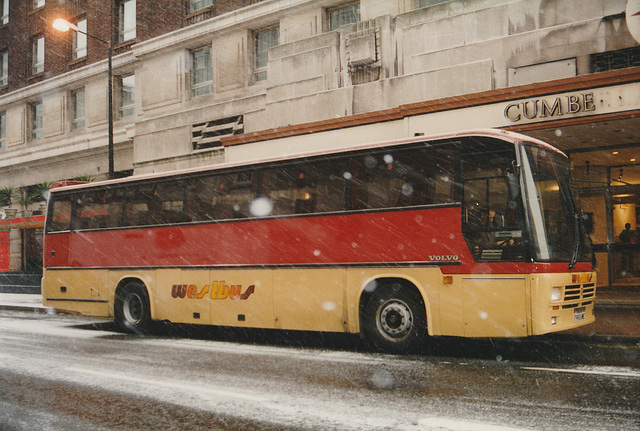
(198, 82)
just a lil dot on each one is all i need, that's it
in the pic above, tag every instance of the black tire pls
(132, 312)
(394, 319)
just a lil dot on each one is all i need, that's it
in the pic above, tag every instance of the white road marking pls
(274, 351)
(170, 385)
(458, 425)
(602, 372)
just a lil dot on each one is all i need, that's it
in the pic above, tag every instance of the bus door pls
(493, 300)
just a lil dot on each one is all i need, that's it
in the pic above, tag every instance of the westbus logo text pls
(217, 290)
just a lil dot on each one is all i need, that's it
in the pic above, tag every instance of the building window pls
(4, 68)
(37, 55)
(425, 3)
(263, 40)
(614, 60)
(35, 112)
(37, 4)
(126, 99)
(127, 16)
(77, 109)
(5, 11)
(201, 72)
(196, 5)
(80, 40)
(342, 15)
(3, 130)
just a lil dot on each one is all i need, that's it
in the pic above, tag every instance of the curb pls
(29, 309)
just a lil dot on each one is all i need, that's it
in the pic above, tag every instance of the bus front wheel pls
(131, 310)
(395, 320)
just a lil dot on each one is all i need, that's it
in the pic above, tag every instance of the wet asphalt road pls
(66, 373)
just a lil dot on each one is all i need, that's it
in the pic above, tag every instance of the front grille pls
(579, 295)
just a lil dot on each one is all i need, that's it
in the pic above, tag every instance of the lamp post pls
(64, 25)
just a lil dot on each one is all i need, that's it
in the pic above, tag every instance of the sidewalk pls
(614, 317)
(24, 302)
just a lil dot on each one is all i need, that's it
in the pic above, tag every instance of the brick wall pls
(153, 19)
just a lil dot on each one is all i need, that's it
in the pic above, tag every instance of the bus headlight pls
(556, 294)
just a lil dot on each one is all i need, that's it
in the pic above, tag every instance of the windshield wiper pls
(576, 245)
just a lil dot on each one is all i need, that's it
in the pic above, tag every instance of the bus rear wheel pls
(394, 319)
(132, 312)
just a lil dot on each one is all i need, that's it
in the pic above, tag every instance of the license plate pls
(579, 314)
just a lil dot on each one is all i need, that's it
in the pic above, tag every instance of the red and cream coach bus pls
(473, 234)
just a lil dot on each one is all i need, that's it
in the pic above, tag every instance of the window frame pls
(80, 40)
(428, 3)
(4, 67)
(127, 8)
(4, 20)
(201, 87)
(260, 54)
(205, 4)
(37, 54)
(78, 111)
(36, 120)
(330, 25)
(3, 130)
(126, 105)
(38, 4)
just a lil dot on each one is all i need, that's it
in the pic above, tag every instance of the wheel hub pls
(395, 319)
(132, 308)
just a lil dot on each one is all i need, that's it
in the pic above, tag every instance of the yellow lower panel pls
(214, 297)
(76, 291)
(494, 306)
(310, 299)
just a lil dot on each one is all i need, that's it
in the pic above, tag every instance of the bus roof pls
(496, 133)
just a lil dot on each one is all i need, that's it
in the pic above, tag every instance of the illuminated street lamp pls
(64, 25)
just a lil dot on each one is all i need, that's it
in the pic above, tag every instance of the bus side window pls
(279, 185)
(326, 183)
(169, 203)
(60, 218)
(418, 176)
(305, 188)
(137, 209)
(201, 193)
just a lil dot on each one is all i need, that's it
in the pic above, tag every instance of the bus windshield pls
(557, 231)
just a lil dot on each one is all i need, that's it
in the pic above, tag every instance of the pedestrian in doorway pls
(627, 254)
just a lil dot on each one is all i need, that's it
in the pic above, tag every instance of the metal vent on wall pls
(363, 53)
(208, 134)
